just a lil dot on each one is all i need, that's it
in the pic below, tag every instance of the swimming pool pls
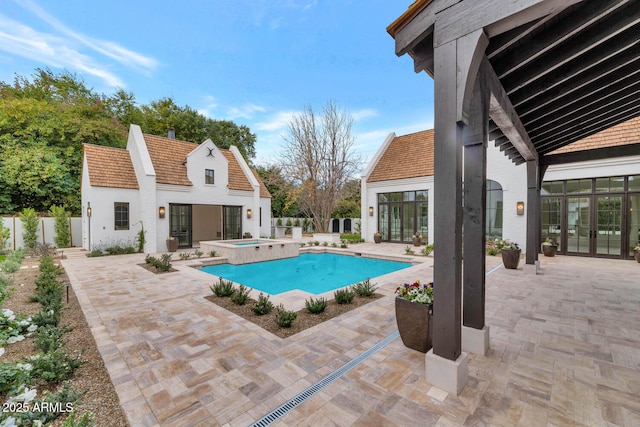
(313, 273)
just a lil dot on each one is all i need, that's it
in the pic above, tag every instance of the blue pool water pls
(313, 273)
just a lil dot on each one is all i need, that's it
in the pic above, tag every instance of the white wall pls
(102, 221)
(369, 224)
(46, 233)
(618, 166)
(513, 180)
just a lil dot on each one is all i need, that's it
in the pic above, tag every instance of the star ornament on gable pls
(210, 152)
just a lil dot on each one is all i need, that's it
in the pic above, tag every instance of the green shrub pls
(263, 305)
(224, 288)
(141, 238)
(333, 245)
(42, 415)
(47, 265)
(61, 224)
(324, 243)
(55, 365)
(13, 376)
(240, 295)
(343, 245)
(86, 420)
(364, 288)
(30, 224)
(408, 251)
(9, 266)
(213, 253)
(284, 318)
(162, 264)
(46, 318)
(351, 238)
(95, 252)
(315, 306)
(344, 296)
(185, 255)
(129, 250)
(5, 235)
(427, 250)
(198, 253)
(49, 338)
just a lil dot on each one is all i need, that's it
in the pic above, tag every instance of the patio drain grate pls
(283, 409)
(292, 403)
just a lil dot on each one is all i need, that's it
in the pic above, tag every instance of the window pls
(493, 227)
(121, 216)
(209, 176)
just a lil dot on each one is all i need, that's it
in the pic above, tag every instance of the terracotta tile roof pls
(264, 192)
(237, 178)
(623, 134)
(407, 156)
(168, 157)
(109, 167)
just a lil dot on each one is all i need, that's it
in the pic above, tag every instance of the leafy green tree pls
(5, 235)
(61, 226)
(346, 209)
(30, 224)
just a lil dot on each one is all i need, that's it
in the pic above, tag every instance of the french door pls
(180, 224)
(587, 225)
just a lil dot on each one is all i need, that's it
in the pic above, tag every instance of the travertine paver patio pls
(565, 350)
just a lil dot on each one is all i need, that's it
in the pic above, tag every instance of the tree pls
(30, 223)
(283, 202)
(61, 226)
(318, 157)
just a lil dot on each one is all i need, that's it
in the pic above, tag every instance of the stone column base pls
(532, 268)
(475, 341)
(449, 375)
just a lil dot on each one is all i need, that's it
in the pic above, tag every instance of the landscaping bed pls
(91, 378)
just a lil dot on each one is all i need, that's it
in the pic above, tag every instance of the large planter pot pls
(636, 255)
(377, 239)
(414, 324)
(416, 241)
(549, 250)
(511, 258)
(172, 245)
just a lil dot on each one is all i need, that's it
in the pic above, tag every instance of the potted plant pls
(377, 237)
(636, 252)
(414, 313)
(417, 239)
(172, 244)
(549, 247)
(510, 252)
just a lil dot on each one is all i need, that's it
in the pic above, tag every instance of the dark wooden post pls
(475, 192)
(448, 212)
(533, 211)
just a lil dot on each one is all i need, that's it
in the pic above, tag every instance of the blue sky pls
(251, 61)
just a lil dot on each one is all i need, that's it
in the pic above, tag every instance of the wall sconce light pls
(249, 213)
(89, 209)
(520, 208)
(161, 211)
(370, 210)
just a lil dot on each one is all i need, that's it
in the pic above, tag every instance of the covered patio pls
(533, 76)
(565, 350)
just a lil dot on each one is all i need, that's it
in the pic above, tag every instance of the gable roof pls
(625, 133)
(407, 156)
(169, 159)
(118, 173)
(264, 192)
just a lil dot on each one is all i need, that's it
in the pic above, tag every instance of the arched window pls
(494, 210)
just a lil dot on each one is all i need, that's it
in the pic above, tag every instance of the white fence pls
(336, 225)
(46, 231)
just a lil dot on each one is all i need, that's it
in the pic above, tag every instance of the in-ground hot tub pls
(244, 251)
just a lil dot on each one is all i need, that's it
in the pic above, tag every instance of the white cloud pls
(363, 114)
(51, 50)
(247, 111)
(277, 122)
(107, 48)
(65, 48)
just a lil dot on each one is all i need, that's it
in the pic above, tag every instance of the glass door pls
(551, 220)
(395, 222)
(232, 222)
(180, 224)
(634, 223)
(608, 232)
(383, 220)
(408, 225)
(579, 225)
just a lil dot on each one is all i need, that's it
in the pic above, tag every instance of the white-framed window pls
(121, 215)
(209, 176)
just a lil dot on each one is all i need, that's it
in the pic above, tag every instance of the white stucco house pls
(592, 208)
(193, 192)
